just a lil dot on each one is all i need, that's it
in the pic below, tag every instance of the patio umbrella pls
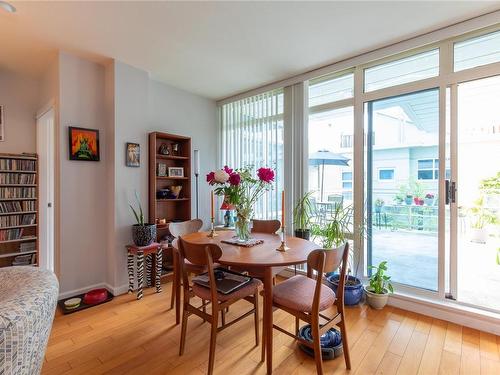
(325, 157)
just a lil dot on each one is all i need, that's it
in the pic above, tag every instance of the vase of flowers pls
(241, 189)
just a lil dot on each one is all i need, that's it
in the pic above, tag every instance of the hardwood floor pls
(127, 336)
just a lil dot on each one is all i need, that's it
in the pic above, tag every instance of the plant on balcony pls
(302, 215)
(429, 199)
(481, 217)
(409, 199)
(377, 292)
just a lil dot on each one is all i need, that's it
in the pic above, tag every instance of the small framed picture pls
(175, 172)
(2, 136)
(83, 144)
(133, 155)
(162, 170)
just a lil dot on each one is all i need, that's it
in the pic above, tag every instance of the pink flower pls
(211, 177)
(228, 170)
(234, 179)
(265, 174)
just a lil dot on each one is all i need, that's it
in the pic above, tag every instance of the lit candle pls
(283, 208)
(212, 206)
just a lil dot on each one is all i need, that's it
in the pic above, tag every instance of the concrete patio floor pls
(413, 260)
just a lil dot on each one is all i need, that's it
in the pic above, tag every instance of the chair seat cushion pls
(297, 293)
(248, 290)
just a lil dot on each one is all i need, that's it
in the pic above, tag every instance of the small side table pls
(140, 252)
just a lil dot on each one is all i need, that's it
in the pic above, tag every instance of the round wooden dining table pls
(264, 257)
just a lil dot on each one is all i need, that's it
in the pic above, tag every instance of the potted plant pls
(302, 214)
(377, 292)
(409, 199)
(429, 199)
(481, 217)
(336, 232)
(143, 234)
(418, 201)
(379, 203)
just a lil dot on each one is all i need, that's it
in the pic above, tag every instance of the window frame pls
(393, 169)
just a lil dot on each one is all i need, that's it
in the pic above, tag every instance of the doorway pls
(45, 144)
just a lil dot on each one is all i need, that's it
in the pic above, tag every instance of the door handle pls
(49, 204)
(450, 190)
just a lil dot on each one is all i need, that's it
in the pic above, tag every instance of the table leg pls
(130, 270)
(140, 273)
(159, 265)
(177, 276)
(149, 270)
(268, 317)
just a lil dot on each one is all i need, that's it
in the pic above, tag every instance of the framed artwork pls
(175, 172)
(83, 144)
(162, 170)
(2, 136)
(133, 155)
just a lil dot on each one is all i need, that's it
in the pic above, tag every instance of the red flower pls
(234, 179)
(228, 170)
(211, 177)
(265, 174)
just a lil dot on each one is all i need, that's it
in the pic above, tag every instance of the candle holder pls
(212, 233)
(283, 246)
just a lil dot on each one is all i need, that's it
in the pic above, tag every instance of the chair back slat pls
(197, 253)
(266, 226)
(185, 227)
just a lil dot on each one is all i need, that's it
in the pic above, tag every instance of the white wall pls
(143, 106)
(19, 98)
(83, 194)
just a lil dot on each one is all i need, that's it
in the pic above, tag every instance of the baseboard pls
(115, 290)
(449, 311)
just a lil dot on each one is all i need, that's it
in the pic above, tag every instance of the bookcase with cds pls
(18, 210)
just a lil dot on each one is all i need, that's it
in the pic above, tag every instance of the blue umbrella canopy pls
(325, 157)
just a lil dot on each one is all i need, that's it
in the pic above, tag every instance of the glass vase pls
(242, 224)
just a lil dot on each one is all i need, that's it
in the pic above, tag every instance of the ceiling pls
(217, 49)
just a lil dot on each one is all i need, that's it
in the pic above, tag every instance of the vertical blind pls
(252, 135)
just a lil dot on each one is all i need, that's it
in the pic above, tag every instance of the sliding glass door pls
(402, 175)
(477, 175)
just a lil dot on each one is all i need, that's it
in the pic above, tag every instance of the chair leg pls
(223, 316)
(213, 338)
(172, 295)
(345, 344)
(297, 322)
(256, 316)
(317, 345)
(204, 308)
(183, 331)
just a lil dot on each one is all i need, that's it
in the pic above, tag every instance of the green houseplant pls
(143, 234)
(336, 231)
(302, 215)
(377, 292)
(481, 217)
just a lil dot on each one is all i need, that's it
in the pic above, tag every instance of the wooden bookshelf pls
(178, 209)
(18, 208)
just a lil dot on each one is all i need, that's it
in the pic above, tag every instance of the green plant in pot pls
(379, 203)
(143, 233)
(481, 217)
(302, 215)
(377, 292)
(337, 230)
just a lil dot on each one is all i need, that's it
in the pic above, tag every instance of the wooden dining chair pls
(204, 255)
(306, 298)
(265, 226)
(262, 226)
(181, 229)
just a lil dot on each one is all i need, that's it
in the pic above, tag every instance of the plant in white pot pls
(143, 233)
(377, 292)
(481, 217)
